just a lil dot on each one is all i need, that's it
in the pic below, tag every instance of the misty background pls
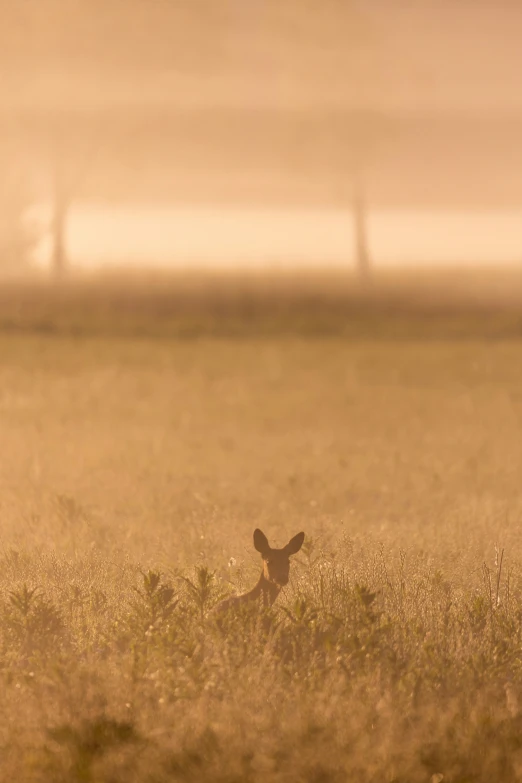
(203, 133)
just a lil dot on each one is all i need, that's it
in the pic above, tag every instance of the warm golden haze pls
(195, 132)
(260, 272)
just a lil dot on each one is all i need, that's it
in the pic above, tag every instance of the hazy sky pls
(402, 55)
(436, 53)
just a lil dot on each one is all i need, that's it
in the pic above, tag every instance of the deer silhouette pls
(274, 576)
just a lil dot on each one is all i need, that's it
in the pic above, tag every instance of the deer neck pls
(264, 591)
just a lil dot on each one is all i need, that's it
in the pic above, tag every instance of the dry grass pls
(128, 464)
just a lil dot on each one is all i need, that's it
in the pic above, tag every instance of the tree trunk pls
(59, 215)
(59, 253)
(360, 222)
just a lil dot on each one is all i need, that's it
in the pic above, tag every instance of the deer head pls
(276, 562)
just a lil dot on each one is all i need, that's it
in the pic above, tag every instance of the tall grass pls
(375, 666)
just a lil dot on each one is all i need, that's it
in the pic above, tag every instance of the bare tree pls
(363, 138)
(72, 151)
(360, 224)
(61, 201)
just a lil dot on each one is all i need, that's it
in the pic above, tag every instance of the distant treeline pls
(399, 306)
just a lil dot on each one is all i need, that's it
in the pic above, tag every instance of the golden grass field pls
(147, 429)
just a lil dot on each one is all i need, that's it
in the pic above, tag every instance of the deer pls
(274, 576)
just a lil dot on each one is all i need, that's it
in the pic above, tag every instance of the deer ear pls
(261, 541)
(295, 544)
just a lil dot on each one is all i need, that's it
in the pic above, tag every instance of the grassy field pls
(136, 463)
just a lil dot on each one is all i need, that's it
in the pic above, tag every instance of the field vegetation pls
(148, 428)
